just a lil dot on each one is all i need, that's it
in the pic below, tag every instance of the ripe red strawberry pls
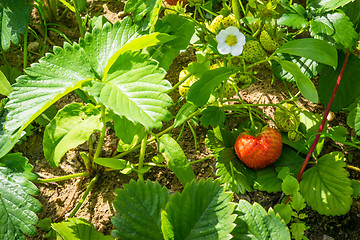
(261, 151)
(173, 2)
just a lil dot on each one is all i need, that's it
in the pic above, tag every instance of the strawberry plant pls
(130, 91)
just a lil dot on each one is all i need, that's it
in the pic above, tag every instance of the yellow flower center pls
(231, 40)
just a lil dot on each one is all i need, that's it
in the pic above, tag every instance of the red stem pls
(322, 122)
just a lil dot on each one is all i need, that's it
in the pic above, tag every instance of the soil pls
(59, 199)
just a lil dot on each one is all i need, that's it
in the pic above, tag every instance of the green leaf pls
(185, 111)
(284, 211)
(128, 132)
(78, 229)
(71, 127)
(114, 163)
(310, 48)
(7, 141)
(349, 87)
(345, 33)
(232, 173)
(213, 116)
(253, 222)
(355, 184)
(80, 5)
(200, 91)
(137, 44)
(321, 25)
(47, 81)
(307, 66)
(134, 87)
(150, 8)
(290, 185)
(293, 20)
(289, 159)
(267, 180)
(5, 87)
(305, 85)
(298, 230)
(326, 187)
(138, 208)
(103, 43)
(174, 25)
(353, 118)
(17, 207)
(328, 5)
(203, 211)
(178, 163)
(14, 19)
(297, 202)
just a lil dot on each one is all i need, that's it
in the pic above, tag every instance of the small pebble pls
(330, 116)
(326, 237)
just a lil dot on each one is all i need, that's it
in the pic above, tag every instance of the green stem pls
(102, 135)
(142, 157)
(91, 184)
(236, 9)
(203, 159)
(25, 47)
(62, 178)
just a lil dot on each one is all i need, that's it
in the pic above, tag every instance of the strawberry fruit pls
(260, 151)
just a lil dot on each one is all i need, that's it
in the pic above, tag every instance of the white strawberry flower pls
(230, 40)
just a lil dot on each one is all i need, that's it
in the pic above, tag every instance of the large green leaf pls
(103, 43)
(253, 222)
(71, 127)
(232, 173)
(305, 85)
(134, 87)
(267, 180)
(138, 208)
(17, 207)
(78, 229)
(321, 25)
(326, 187)
(200, 91)
(349, 88)
(310, 48)
(14, 19)
(47, 81)
(203, 211)
(178, 162)
(7, 141)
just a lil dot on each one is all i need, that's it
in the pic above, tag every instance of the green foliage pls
(254, 222)
(326, 187)
(213, 116)
(14, 19)
(266, 180)
(134, 88)
(139, 207)
(353, 119)
(348, 90)
(298, 230)
(5, 88)
(150, 8)
(200, 91)
(177, 160)
(203, 210)
(285, 211)
(71, 127)
(174, 25)
(17, 206)
(310, 48)
(290, 185)
(78, 229)
(232, 173)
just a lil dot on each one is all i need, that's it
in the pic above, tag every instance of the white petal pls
(232, 30)
(240, 38)
(221, 37)
(223, 48)
(236, 50)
